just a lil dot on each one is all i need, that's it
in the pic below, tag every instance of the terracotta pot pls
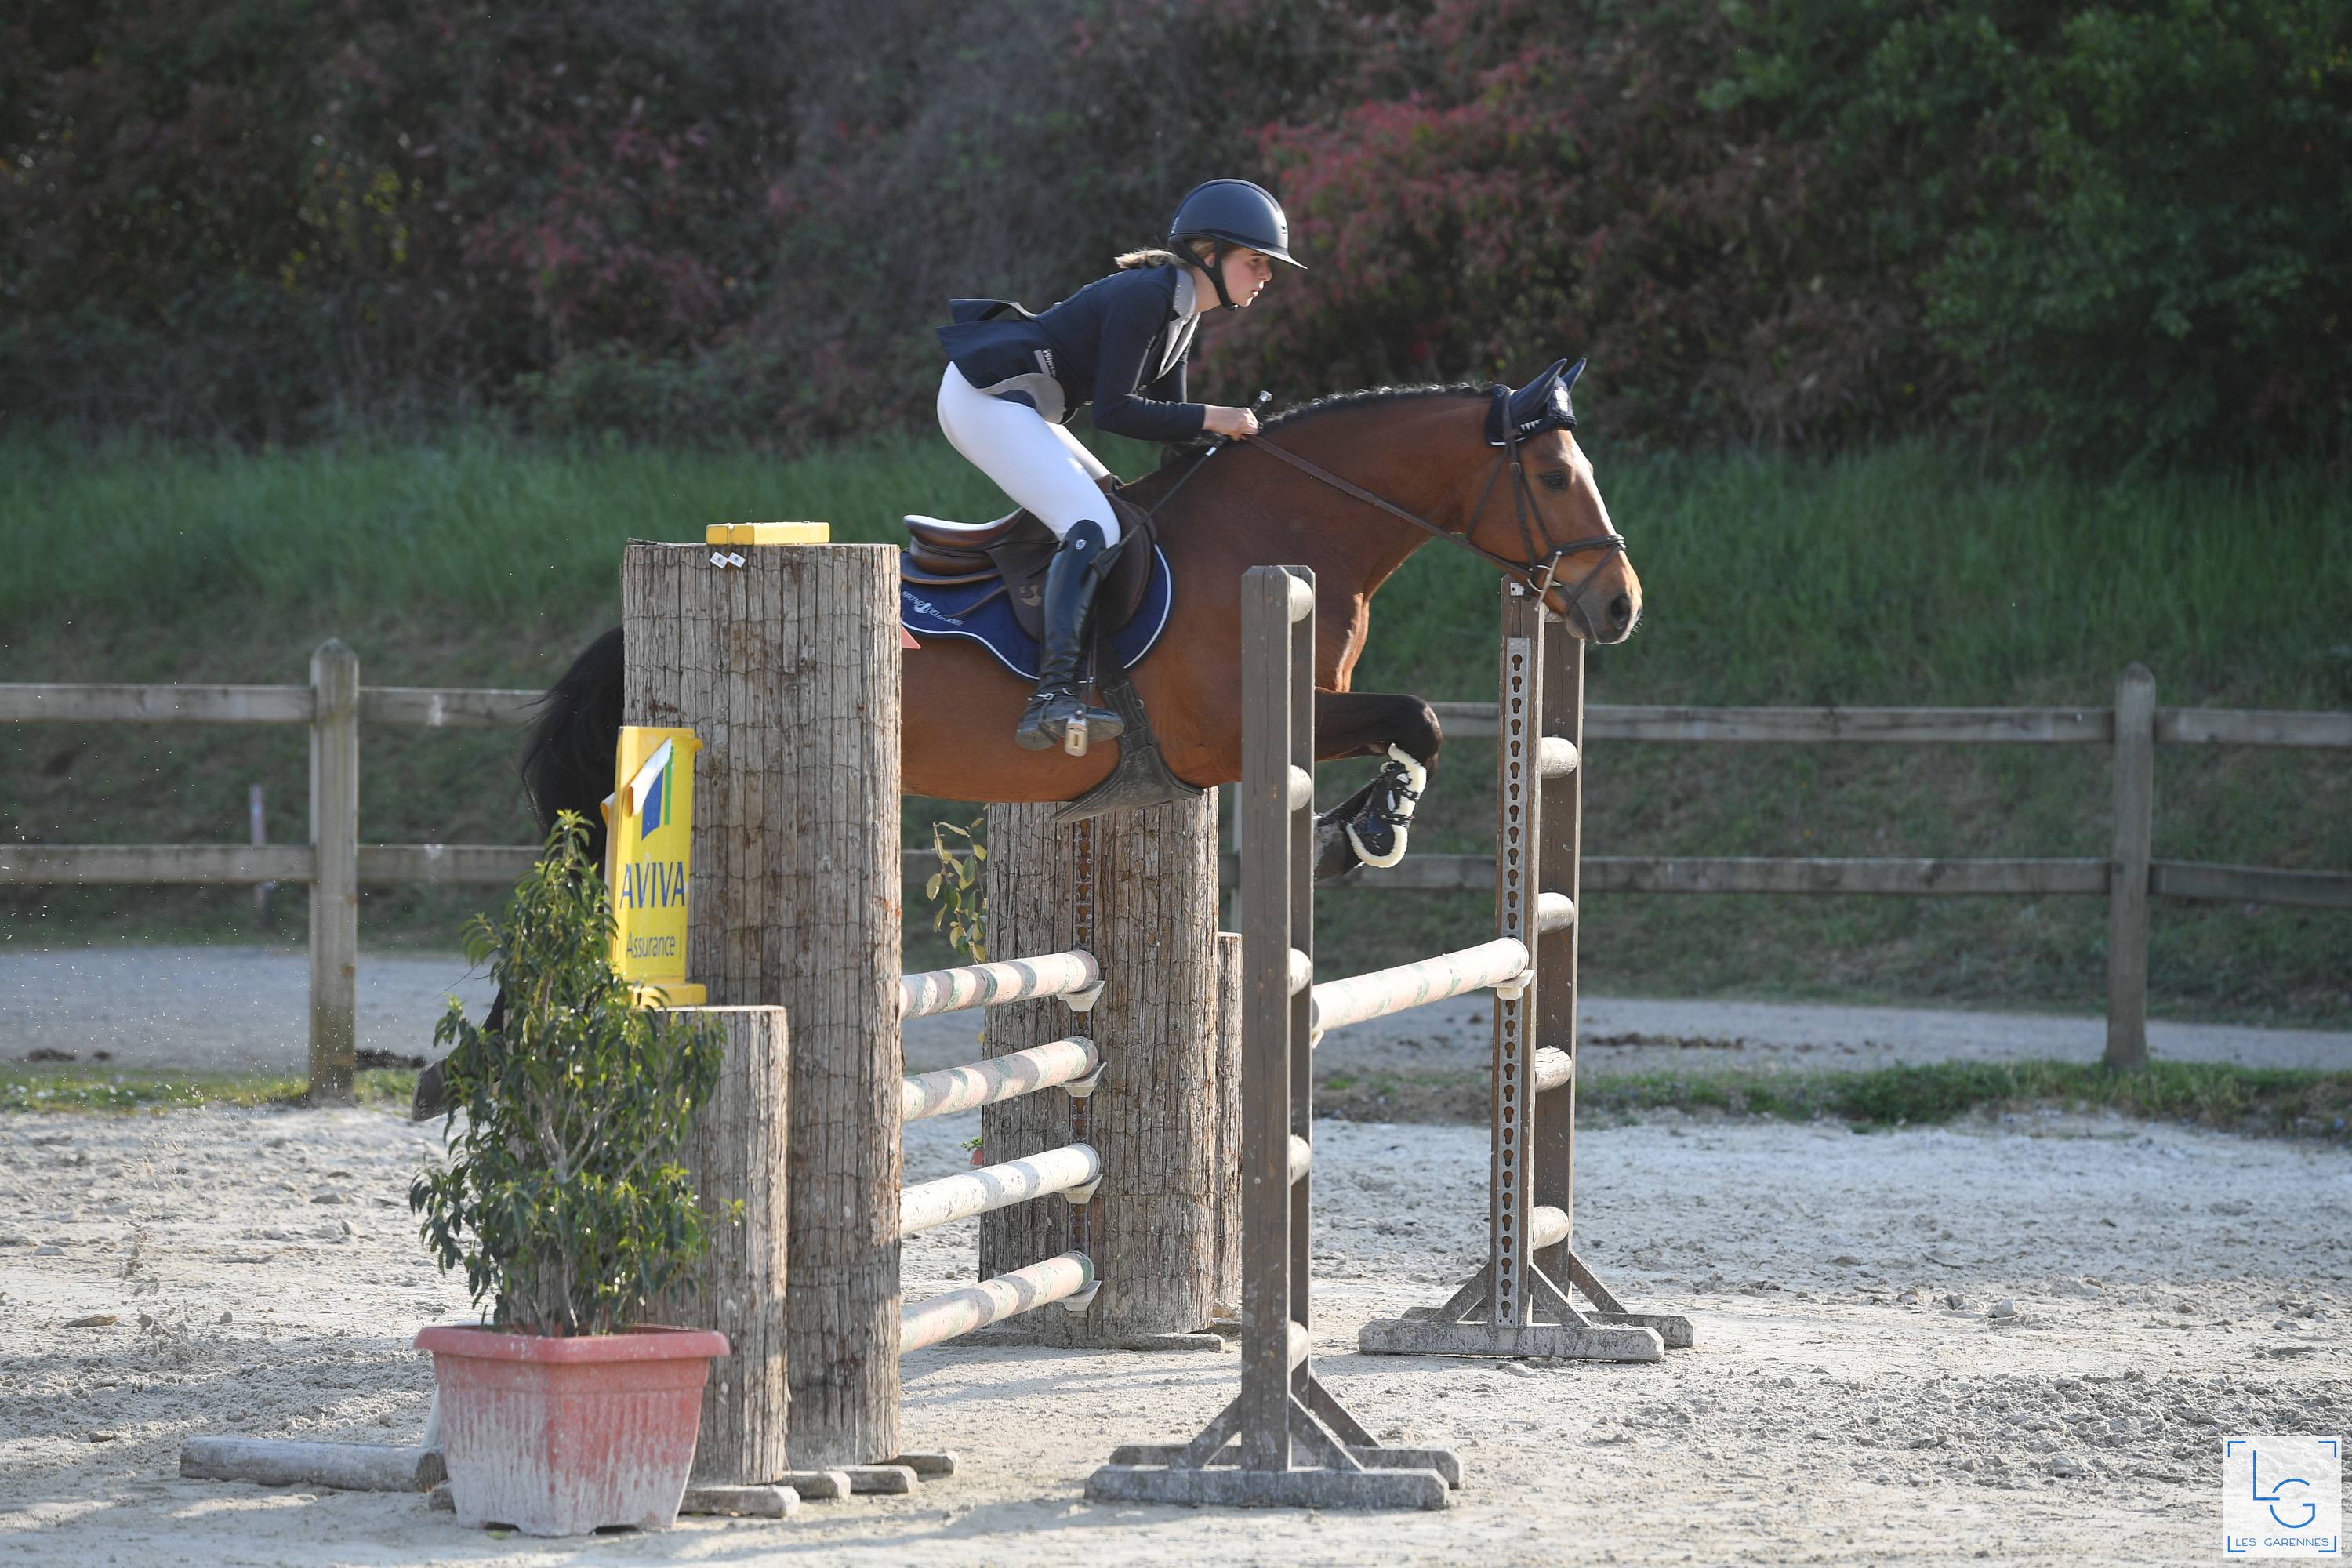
(557, 1436)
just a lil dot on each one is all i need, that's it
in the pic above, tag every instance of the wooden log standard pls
(739, 1153)
(787, 668)
(1137, 889)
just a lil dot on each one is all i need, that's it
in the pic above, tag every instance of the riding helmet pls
(1233, 212)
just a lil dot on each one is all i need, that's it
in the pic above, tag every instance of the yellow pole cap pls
(734, 533)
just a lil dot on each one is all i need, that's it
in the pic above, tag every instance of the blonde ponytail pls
(1154, 256)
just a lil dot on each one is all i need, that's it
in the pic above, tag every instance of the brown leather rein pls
(1539, 570)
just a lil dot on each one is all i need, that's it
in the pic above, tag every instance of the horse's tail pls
(566, 765)
(567, 761)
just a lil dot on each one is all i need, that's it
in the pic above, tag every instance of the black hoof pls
(1334, 856)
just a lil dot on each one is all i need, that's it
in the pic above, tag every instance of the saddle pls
(1016, 550)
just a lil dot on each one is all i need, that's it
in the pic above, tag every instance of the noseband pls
(1538, 571)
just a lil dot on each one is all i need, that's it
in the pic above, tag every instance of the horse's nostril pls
(1620, 612)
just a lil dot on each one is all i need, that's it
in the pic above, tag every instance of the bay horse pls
(1350, 485)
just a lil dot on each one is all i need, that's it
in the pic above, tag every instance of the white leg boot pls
(1377, 833)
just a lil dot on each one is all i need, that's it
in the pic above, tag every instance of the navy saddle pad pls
(930, 610)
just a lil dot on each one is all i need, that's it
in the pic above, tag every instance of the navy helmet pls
(1231, 214)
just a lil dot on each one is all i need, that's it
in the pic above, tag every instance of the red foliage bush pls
(1797, 223)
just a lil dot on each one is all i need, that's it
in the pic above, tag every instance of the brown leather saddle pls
(1016, 552)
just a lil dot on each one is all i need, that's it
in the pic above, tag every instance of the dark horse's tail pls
(567, 762)
(566, 765)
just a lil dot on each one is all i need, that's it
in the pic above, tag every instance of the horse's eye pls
(1554, 479)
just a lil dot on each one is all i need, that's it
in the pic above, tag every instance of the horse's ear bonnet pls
(1541, 404)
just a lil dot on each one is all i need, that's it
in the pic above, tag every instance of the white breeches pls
(1039, 464)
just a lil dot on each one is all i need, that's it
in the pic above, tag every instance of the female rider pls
(1013, 379)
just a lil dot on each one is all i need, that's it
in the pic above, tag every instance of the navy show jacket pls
(1107, 343)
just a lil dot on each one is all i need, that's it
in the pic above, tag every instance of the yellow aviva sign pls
(649, 839)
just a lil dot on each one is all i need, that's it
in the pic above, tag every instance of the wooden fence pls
(334, 705)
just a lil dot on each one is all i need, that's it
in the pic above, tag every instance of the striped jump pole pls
(1072, 1170)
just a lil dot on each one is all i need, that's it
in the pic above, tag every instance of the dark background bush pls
(2096, 232)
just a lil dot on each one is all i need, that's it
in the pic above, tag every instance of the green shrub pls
(2108, 230)
(563, 1198)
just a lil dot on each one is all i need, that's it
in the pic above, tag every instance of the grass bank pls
(1908, 575)
(97, 1089)
(2269, 1101)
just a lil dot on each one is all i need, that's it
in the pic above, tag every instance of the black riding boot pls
(1058, 715)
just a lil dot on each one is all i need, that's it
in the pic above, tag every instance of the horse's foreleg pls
(1370, 828)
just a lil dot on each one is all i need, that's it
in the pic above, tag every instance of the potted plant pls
(562, 1196)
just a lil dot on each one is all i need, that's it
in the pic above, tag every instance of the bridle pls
(1538, 571)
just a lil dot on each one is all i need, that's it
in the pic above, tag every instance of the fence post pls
(334, 871)
(257, 825)
(785, 663)
(2127, 886)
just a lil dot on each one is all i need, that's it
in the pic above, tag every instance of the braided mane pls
(1372, 397)
(1179, 457)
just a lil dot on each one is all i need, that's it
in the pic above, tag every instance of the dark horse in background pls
(1351, 485)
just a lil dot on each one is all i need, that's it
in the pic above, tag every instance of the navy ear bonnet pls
(1541, 404)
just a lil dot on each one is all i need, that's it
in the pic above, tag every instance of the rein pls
(1538, 571)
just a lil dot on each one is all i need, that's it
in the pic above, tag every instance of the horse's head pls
(1540, 506)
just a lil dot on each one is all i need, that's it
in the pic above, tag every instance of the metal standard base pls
(1403, 1336)
(1611, 1333)
(1445, 1461)
(1675, 1331)
(1212, 1344)
(1354, 1471)
(1228, 1487)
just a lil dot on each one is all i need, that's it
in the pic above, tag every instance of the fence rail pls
(2127, 879)
(2287, 727)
